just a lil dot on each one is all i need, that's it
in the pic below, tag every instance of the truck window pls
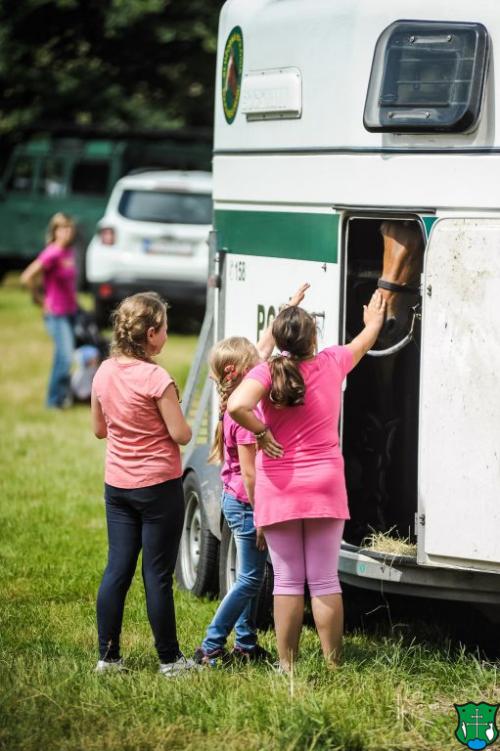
(53, 179)
(163, 206)
(90, 178)
(22, 175)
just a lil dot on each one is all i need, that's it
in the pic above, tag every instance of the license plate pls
(168, 247)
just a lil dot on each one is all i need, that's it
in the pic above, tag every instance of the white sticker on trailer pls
(256, 286)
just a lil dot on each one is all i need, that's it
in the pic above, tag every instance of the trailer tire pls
(227, 576)
(197, 562)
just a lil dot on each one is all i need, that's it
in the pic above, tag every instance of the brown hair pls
(294, 332)
(230, 359)
(59, 220)
(131, 321)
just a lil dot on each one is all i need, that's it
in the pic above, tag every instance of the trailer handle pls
(404, 341)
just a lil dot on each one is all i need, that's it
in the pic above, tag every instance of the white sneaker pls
(109, 666)
(180, 666)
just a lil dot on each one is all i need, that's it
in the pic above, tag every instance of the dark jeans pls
(150, 518)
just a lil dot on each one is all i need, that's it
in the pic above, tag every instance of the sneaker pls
(109, 666)
(257, 654)
(215, 658)
(180, 666)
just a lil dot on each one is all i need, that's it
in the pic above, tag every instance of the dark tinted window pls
(22, 175)
(90, 178)
(427, 75)
(171, 208)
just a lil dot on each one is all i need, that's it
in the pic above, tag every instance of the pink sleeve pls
(342, 356)
(262, 374)
(49, 255)
(243, 437)
(158, 382)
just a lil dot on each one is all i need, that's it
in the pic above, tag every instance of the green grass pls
(392, 692)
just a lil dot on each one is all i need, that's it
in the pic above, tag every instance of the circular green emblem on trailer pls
(232, 69)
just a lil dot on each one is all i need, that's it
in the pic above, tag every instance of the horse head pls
(399, 283)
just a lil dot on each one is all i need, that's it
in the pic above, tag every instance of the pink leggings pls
(305, 550)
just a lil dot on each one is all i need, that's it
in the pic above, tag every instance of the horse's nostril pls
(390, 325)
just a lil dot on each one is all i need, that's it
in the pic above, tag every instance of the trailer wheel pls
(197, 561)
(228, 568)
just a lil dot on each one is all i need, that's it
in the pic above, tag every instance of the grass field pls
(394, 691)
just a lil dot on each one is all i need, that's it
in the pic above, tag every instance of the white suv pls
(153, 236)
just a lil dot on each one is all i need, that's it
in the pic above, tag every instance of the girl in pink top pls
(135, 406)
(300, 494)
(235, 448)
(56, 264)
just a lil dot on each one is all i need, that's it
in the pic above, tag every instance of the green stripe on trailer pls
(428, 222)
(278, 234)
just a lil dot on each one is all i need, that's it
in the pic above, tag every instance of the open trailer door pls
(459, 438)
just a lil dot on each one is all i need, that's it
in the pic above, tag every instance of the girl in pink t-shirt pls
(56, 264)
(300, 494)
(235, 448)
(135, 406)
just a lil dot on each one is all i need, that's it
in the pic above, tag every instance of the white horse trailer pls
(332, 117)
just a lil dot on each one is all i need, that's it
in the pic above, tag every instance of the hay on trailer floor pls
(390, 542)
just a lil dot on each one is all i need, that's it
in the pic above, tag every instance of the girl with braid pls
(135, 406)
(235, 448)
(300, 493)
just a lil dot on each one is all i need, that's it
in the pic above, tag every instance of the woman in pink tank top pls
(300, 493)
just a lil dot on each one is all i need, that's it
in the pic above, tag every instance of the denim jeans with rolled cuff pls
(238, 608)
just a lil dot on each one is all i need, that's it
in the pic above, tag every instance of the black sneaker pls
(257, 654)
(215, 658)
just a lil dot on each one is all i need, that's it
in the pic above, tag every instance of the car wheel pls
(228, 570)
(197, 561)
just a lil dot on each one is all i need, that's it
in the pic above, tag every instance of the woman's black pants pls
(150, 519)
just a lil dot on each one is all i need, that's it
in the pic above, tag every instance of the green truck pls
(45, 174)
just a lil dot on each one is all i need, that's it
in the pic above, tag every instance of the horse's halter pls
(393, 287)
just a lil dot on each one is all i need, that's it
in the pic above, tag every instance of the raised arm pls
(265, 345)
(373, 317)
(171, 412)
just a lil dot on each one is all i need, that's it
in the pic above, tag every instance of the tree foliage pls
(109, 63)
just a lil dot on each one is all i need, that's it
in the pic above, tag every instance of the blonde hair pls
(131, 321)
(59, 220)
(229, 361)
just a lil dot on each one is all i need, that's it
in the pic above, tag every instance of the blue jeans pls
(238, 608)
(60, 329)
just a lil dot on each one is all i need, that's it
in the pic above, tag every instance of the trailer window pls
(427, 76)
(53, 179)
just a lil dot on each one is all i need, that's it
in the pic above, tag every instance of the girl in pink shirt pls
(300, 494)
(235, 448)
(135, 406)
(56, 264)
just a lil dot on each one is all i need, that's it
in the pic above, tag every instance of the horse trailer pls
(354, 149)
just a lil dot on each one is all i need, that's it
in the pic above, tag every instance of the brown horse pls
(399, 283)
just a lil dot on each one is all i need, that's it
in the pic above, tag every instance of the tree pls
(118, 64)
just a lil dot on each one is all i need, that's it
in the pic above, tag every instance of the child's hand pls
(261, 540)
(374, 312)
(297, 298)
(270, 445)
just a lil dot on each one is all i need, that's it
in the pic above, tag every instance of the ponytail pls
(294, 332)
(288, 388)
